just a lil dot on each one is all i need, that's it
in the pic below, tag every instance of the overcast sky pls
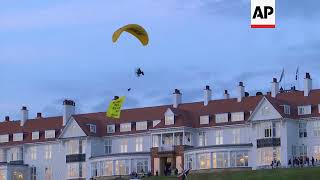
(52, 50)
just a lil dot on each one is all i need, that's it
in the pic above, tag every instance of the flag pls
(282, 74)
(114, 108)
(297, 72)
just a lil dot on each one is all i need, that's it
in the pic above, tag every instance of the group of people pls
(302, 161)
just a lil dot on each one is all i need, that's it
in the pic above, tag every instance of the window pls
(239, 159)
(204, 119)
(75, 170)
(220, 159)
(267, 155)
(316, 151)
(15, 154)
(141, 125)
(35, 135)
(141, 165)
(286, 109)
(316, 128)
(3, 156)
(202, 139)
(122, 167)
(72, 146)
(48, 152)
(111, 128)
(268, 130)
(169, 120)
(33, 152)
(303, 110)
(33, 173)
(3, 173)
(48, 173)
(94, 169)
(93, 128)
(4, 138)
(106, 168)
(18, 137)
(155, 141)
(108, 146)
(219, 137)
(139, 144)
(189, 161)
(204, 160)
(302, 129)
(221, 118)
(124, 146)
(50, 134)
(237, 116)
(125, 127)
(155, 122)
(236, 136)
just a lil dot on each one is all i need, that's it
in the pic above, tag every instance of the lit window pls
(50, 134)
(302, 129)
(169, 120)
(35, 135)
(108, 146)
(125, 127)
(220, 159)
(106, 168)
(75, 170)
(33, 152)
(124, 146)
(237, 116)
(111, 128)
(139, 144)
(48, 152)
(141, 125)
(18, 137)
(93, 128)
(204, 119)
(122, 167)
(303, 110)
(4, 138)
(221, 118)
(316, 151)
(236, 136)
(202, 139)
(219, 137)
(239, 159)
(204, 161)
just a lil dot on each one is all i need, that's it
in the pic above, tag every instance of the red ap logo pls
(263, 14)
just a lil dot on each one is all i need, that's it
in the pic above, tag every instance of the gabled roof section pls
(72, 129)
(273, 108)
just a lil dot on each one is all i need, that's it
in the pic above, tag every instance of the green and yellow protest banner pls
(114, 109)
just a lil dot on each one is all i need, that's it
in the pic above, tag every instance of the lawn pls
(270, 174)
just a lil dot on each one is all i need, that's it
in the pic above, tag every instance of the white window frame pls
(236, 135)
(302, 129)
(222, 118)
(17, 137)
(139, 144)
(219, 137)
(304, 110)
(237, 116)
(33, 152)
(4, 138)
(316, 128)
(204, 119)
(48, 152)
(111, 128)
(169, 120)
(108, 146)
(49, 134)
(286, 109)
(35, 135)
(142, 125)
(124, 146)
(93, 128)
(125, 127)
(203, 139)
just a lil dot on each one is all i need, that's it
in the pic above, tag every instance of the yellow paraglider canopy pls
(134, 29)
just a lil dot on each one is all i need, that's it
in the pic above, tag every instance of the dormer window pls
(237, 116)
(125, 127)
(93, 128)
(303, 110)
(141, 125)
(111, 128)
(18, 137)
(4, 138)
(50, 134)
(286, 109)
(221, 118)
(169, 120)
(204, 119)
(35, 135)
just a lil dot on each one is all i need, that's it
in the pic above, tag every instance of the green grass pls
(270, 174)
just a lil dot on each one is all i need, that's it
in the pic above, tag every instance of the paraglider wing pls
(134, 29)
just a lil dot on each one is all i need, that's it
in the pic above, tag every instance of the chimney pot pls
(274, 80)
(39, 115)
(207, 87)
(177, 91)
(69, 102)
(308, 76)
(24, 108)
(240, 83)
(7, 118)
(226, 94)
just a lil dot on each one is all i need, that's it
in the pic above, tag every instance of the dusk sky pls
(53, 50)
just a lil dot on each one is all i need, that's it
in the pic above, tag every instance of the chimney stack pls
(240, 91)
(207, 95)
(274, 87)
(176, 98)
(307, 84)
(226, 94)
(39, 115)
(7, 119)
(24, 114)
(68, 110)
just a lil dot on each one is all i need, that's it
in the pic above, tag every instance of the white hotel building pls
(241, 132)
